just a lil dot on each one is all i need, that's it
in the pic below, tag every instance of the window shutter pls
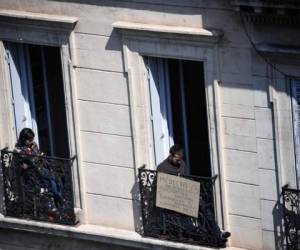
(21, 82)
(7, 128)
(160, 107)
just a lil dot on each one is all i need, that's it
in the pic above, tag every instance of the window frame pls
(145, 40)
(49, 30)
(296, 124)
(23, 93)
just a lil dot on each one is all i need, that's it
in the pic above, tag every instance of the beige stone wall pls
(240, 147)
(251, 143)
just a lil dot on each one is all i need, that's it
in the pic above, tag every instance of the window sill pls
(94, 233)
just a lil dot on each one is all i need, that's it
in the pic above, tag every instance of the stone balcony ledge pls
(93, 233)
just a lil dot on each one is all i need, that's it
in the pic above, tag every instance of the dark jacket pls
(169, 168)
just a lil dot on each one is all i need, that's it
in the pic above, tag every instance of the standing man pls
(174, 163)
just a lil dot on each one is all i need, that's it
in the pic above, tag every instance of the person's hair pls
(26, 134)
(176, 149)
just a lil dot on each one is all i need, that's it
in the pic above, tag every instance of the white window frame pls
(295, 92)
(142, 40)
(49, 30)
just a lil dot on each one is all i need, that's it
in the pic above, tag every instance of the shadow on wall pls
(277, 209)
(277, 213)
(154, 5)
(114, 42)
(136, 204)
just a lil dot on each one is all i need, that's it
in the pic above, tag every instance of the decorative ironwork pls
(291, 217)
(280, 3)
(276, 12)
(38, 187)
(166, 224)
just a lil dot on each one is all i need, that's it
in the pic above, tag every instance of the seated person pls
(26, 146)
(175, 165)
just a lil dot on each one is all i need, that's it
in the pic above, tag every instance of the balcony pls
(291, 217)
(38, 187)
(284, 12)
(170, 225)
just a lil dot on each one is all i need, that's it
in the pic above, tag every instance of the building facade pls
(113, 82)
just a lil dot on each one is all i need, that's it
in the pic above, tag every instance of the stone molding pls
(57, 22)
(106, 235)
(167, 31)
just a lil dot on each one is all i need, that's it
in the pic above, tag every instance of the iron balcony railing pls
(169, 225)
(291, 217)
(280, 3)
(38, 187)
(275, 12)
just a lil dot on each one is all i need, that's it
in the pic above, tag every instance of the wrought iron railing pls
(261, 2)
(291, 217)
(281, 2)
(169, 225)
(275, 12)
(38, 187)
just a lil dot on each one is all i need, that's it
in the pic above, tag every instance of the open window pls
(179, 111)
(38, 95)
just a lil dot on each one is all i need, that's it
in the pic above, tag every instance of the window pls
(178, 111)
(295, 84)
(23, 38)
(198, 50)
(38, 95)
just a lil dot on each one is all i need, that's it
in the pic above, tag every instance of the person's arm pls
(35, 149)
(160, 167)
(182, 168)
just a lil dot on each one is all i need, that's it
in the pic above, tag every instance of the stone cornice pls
(57, 22)
(168, 31)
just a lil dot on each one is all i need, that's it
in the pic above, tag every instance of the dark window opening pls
(38, 93)
(185, 102)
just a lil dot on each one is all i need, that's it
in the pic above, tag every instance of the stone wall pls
(254, 148)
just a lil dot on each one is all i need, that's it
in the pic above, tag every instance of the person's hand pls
(24, 166)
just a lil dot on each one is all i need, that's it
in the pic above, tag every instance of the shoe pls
(226, 235)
